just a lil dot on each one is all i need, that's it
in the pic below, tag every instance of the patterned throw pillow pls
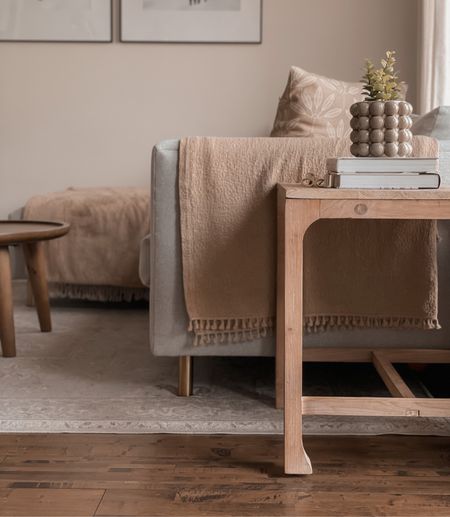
(313, 105)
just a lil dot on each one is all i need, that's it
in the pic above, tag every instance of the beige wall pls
(89, 114)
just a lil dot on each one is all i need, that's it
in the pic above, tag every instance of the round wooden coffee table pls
(28, 234)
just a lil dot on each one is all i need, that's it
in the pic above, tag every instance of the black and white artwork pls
(192, 21)
(55, 20)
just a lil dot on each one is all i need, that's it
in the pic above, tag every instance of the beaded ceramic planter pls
(381, 128)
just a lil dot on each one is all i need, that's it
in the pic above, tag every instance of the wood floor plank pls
(169, 475)
(199, 502)
(48, 502)
(333, 481)
(189, 447)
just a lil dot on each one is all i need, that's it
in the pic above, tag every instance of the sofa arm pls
(144, 260)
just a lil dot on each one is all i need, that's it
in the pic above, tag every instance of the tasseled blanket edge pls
(238, 330)
(99, 293)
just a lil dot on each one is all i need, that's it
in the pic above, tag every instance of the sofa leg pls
(185, 374)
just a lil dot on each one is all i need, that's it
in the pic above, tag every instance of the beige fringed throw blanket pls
(99, 257)
(357, 273)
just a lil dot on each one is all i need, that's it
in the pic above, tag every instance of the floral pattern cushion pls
(313, 105)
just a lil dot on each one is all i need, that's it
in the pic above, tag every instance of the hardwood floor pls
(168, 475)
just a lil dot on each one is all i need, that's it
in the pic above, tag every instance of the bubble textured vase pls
(381, 128)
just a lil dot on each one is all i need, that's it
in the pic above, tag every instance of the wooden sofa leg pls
(185, 374)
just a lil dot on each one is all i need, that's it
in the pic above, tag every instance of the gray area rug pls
(94, 373)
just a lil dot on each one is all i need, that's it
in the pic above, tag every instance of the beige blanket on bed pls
(99, 257)
(357, 273)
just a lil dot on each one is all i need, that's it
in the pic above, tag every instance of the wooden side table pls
(298, 208)
(28, 234)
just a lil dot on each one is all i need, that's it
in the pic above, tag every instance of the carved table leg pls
(299, 215)
(37, 275)
(7, 333)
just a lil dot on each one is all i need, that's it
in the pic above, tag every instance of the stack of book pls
(383, 173)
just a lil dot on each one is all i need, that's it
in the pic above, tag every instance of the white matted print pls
(55, 20)
(191, 21)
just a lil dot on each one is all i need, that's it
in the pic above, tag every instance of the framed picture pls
(191, 21)
(56, 20)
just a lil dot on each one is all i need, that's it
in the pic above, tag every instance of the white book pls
(383, 180)
(383, 164)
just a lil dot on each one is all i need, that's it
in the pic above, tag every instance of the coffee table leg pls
(7, 333)
(299, 215)
(37, 274)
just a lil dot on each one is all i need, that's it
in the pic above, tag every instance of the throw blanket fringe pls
(225, 338)
(235, 330)
(230, 324)
(98, 293)
(321, 323)
(230, 330)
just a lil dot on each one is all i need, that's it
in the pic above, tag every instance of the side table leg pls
(37, 275)
(7, 333)
(299, 215)
(280, 336)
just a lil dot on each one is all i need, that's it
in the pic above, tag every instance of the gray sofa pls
(168, 318)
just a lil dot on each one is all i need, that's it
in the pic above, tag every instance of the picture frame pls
(191, 21)
(56, 21)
